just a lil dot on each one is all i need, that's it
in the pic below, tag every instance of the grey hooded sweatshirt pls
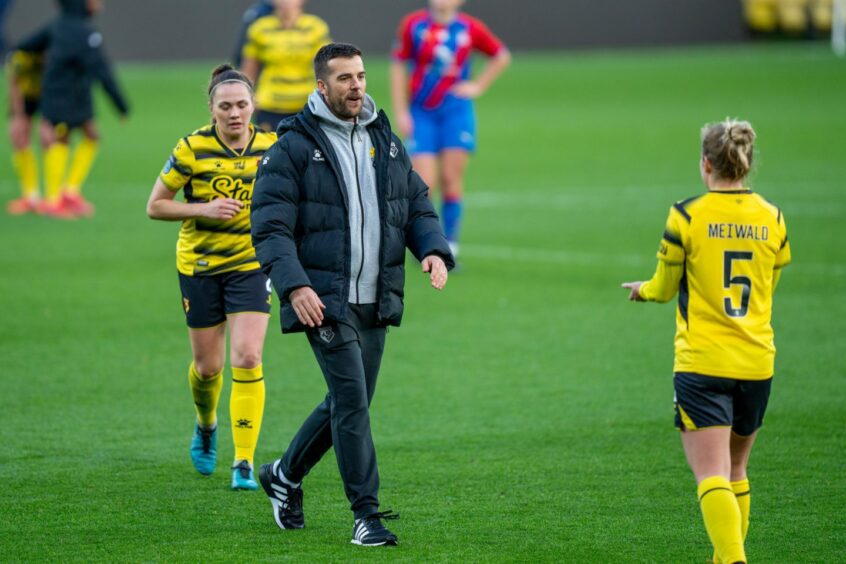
(354, 148)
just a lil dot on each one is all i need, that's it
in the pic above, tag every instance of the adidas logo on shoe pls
(285, 497)
(370, 531)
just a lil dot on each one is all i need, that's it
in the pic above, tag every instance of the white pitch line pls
(631, 197)
(565, 256)
(542, 200)
(550, 256)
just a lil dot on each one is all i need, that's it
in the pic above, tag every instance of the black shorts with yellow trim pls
(207, 300)
(64, 127)
(269, 120)
(708, 401)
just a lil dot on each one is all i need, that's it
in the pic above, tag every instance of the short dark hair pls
(332, 51)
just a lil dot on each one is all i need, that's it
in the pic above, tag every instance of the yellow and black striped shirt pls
(286, 56)
(27, 68)
(207, 169)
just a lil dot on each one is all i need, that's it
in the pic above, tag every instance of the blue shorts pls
(452, 125)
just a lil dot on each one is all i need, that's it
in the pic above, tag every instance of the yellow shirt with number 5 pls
(729, 245)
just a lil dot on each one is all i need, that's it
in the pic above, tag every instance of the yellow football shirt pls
(729, 244)
(286, 56)
(27, 69)
(205, 169)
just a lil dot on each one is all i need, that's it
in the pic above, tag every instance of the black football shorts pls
(207, 300)
(707, 401)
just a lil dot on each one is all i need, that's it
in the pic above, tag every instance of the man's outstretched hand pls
(434, 265)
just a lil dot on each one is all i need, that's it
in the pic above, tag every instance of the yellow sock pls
(27, 170)
(722, 518)
(246, 407)
(744, 501)
(55, 163)
(83, 159)
(206, 392)
(741, 493)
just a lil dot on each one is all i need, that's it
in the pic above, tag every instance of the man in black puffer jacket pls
(335, 205)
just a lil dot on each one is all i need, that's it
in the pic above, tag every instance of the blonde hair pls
(728, 145)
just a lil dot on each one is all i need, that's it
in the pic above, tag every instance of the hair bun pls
(226, 73)
(222, 68)
(729, 146)
(741, 133)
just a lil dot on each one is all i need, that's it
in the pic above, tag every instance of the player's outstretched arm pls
(661, 288)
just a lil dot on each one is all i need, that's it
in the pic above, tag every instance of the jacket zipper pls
(381, 180)
(361, 207)
(315, 134)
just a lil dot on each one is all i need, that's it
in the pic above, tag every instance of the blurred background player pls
(23, 71)
(254, 12)
(219, 275)
(722, 252)
(74, 60)
(433, 106)
(278, 57)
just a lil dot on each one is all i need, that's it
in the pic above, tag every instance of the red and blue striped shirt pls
(439, 54)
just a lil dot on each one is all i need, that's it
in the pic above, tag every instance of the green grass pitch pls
(524, 414)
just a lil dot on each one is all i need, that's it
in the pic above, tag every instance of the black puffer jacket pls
(300, 225)
(74, 61)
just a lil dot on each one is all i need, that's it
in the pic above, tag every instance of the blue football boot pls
(242, 477)
(204, 449)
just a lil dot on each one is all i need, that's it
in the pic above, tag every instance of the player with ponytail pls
(722, 251)
(221, 281)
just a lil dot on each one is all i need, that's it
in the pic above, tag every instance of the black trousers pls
(349, 354)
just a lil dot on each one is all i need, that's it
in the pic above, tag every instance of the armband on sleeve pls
(671, 250)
